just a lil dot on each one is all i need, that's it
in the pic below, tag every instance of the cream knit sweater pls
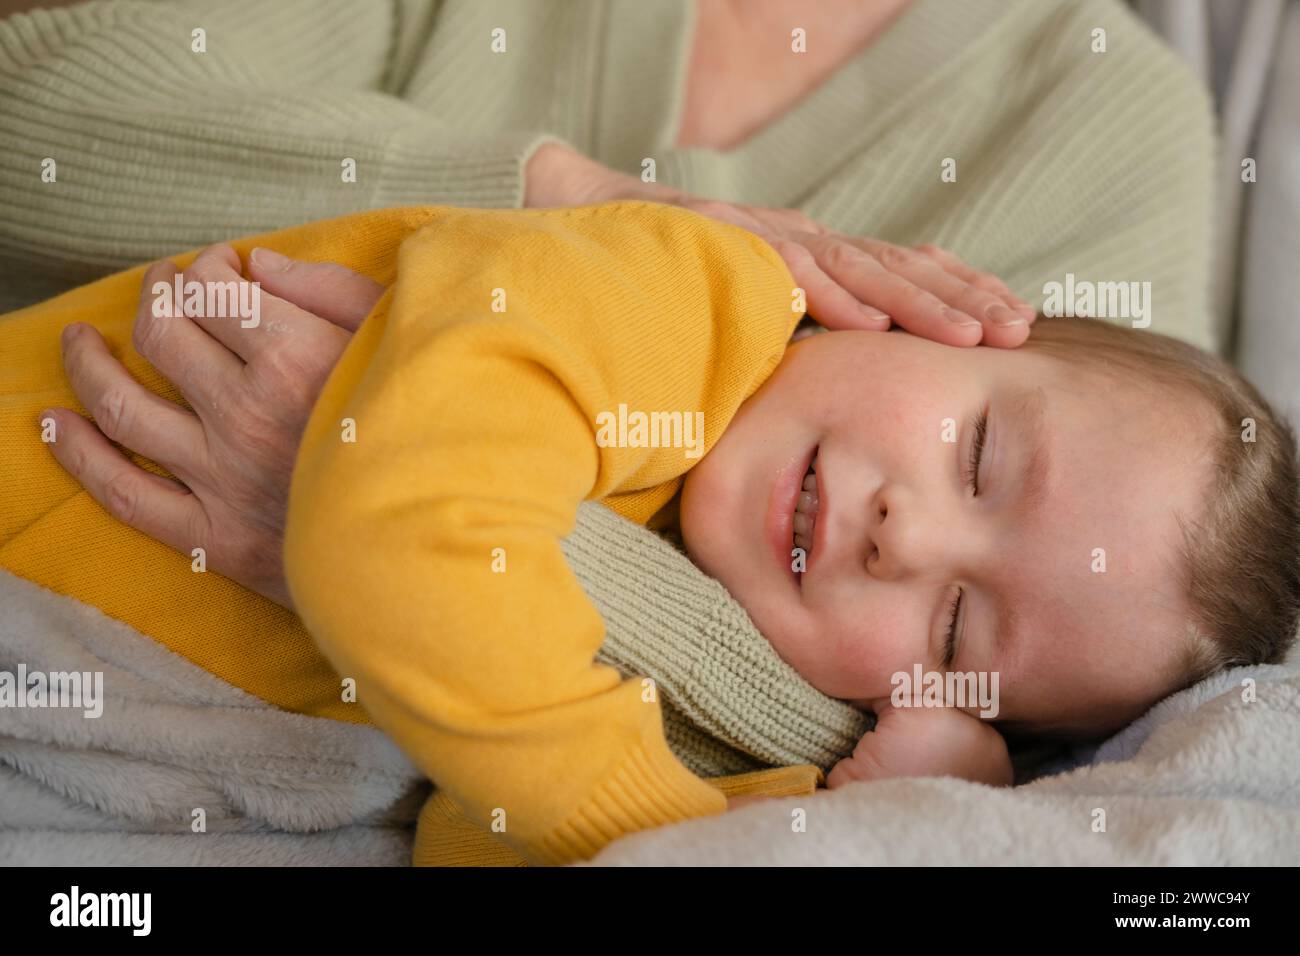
(1067, 160)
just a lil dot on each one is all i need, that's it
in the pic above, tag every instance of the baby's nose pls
(899, 539)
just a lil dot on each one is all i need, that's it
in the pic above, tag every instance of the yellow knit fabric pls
(475, 390)
(474, 432)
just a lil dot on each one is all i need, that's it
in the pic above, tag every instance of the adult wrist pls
(558, 175)
(554, 176)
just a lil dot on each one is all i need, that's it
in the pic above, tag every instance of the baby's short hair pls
(1241, 556)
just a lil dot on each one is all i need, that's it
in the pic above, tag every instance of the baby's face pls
(1074, 469)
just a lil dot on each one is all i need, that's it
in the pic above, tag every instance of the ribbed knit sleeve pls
(160, 146)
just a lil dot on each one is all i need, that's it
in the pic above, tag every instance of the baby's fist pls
(927, 742)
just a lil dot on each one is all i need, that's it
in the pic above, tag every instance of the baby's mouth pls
(805, 510)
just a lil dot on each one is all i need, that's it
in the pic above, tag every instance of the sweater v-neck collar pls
(817, 134)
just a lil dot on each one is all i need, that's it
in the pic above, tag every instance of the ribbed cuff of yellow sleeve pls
(649, 789)
(794, 781)
(444, 836)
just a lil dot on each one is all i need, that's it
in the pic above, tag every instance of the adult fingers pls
(910, 305)
(1003, 327)
(827, 301)
(227, 306)
(150, 504)
(981, 280)
(327, 289)
(250, 321)
(127, 412)
(196, 363)
(786, 220)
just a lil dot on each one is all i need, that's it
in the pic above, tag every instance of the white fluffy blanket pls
(269, 787)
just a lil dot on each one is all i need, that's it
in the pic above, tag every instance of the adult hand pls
(251, 391)
(849, 282)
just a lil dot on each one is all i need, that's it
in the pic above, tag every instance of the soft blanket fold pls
(273, 787)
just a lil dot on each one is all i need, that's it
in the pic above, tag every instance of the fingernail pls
(268, 260)
(68, 332)
(1001, 315)
(875, 320)
(43, 414)
(958, 318)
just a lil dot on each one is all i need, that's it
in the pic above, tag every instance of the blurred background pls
(1247, 52)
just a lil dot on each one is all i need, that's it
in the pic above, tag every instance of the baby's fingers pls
(851, 770)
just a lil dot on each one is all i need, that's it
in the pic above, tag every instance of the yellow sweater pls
(424, 556)
(474, 431)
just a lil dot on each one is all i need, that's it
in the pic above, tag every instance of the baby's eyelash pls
(980, 424)
(950, 645)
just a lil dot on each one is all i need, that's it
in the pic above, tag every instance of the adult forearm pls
(119, 142)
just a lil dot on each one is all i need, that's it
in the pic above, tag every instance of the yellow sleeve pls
(445, 461)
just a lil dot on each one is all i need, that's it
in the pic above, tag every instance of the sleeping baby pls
(1098, 519)
(1092, 521)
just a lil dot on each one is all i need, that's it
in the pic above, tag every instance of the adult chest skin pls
(743, 72)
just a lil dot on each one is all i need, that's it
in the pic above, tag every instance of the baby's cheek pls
(871, 643)
(706, 506)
